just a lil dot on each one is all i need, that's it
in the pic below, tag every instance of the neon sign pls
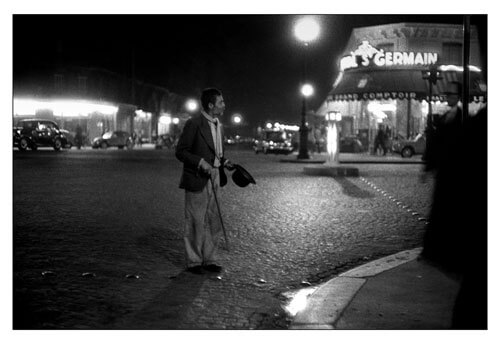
(367, 55)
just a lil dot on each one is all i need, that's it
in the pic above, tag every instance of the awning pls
(400, 84)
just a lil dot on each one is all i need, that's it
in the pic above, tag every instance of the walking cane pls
(220, 215)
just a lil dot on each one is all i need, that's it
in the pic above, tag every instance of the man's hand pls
(229, 165)
(205, 167)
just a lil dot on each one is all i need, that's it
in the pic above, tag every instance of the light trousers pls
(203, 228)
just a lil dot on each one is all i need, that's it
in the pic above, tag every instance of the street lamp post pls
(306, 31)
(332, 166)
(236, 123)
(432, 75)
(306, 90)
(333, 138)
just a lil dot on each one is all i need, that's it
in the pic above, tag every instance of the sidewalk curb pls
(354, 158)
(327, 303)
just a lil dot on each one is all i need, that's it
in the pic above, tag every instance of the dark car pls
(118, 139)
(34, 133)
(70, 138)
(277, 142)
(407, 148)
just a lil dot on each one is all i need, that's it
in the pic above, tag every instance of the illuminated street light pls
(165, 119)
(306, 30)
(191, 105)
(307, 90)
(432, 75)
(175, 120)
(237, 119)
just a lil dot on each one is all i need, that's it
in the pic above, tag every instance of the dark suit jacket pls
(195, 143)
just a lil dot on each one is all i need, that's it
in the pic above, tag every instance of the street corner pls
(383, 264)
(325, 305)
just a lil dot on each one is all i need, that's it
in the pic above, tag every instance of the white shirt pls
(216, 135)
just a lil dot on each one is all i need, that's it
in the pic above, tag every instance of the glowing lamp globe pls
(307, 29)
(237, 119)
(307, 90)
(191, 105)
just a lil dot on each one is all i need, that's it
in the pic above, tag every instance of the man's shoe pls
(212, 268)
(197, 270)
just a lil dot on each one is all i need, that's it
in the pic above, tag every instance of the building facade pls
(381, 82)
(97, 100)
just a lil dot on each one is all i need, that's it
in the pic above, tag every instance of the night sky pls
(254, 59)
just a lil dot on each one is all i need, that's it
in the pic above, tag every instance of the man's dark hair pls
(209, 95)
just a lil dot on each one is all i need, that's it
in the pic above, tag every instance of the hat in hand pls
(241, 177)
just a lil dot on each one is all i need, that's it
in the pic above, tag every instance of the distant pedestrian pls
(318, 139)
(200, 148)
(380, 140)
(134, 137)
(139, 139)
(79, 137)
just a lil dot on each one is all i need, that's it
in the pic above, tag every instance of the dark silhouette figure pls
(380, 140)
(79, 137)
(455, 237)
(471, 304)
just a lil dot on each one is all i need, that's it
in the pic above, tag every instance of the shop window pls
(452, 53)
(386, 47)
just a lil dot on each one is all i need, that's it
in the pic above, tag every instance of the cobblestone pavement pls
(87, 223)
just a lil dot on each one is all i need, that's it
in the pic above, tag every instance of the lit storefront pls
(381, 82)
(97, 100)
(94, 118)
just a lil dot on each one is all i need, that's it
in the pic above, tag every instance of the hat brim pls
(245, 173)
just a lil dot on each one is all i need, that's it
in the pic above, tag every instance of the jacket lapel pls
(206, 133)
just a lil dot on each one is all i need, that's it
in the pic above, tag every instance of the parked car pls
(34, 133)
(117, 138)
(276, 142)
(408, 148)
(70, 138)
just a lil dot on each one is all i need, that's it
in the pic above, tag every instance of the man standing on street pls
(200, 148)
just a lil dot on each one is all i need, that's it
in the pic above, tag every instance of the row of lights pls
(61, 108)
(192, 106)
(279, 126)
(167, 119)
